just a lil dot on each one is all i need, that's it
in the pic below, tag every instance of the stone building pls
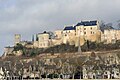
(88, 30)
(57, 40)
(58, 34)
(110, 36)
(73, 34)
(68, 34)
(85, 30)
(44, 40)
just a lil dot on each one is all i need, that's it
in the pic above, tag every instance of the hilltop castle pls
(72, 34)
(86, 30)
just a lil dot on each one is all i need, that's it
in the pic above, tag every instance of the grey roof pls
(87, 23)
(69, 28)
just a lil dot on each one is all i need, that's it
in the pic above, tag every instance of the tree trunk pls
(34, 76)
(40, 76)
(59, 76)
(73, 76)
(46, 76)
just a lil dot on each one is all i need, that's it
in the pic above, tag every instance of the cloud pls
(29, 17)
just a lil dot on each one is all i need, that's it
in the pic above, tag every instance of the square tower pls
(17, 39)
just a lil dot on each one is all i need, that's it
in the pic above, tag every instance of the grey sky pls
(28, 17)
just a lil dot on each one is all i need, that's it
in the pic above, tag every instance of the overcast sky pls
(28, 17)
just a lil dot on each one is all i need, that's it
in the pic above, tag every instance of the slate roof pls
(45, 32)
(69, 28)
(87, 23)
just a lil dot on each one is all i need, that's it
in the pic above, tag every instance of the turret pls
(32, 38)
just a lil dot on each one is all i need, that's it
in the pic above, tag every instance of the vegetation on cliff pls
(66, 48)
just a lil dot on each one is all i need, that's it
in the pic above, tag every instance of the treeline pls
(63, 48)
(88, 46)
(66, 48)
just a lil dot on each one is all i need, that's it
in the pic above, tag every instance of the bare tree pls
(118, 24)
(104, 25)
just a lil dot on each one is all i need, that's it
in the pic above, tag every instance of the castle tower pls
(17, 38)
(32, 38)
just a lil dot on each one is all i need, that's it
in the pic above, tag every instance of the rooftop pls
(87, 23)
(69, 28)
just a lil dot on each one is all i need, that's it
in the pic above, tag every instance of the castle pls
(72, 34)
(86, 30)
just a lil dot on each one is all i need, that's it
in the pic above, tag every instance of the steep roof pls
(69, 28)
(87, 23)
(45, 32)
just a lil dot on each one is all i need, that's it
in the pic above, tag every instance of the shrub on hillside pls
(66, 48)
(63, 48)
(18, 47)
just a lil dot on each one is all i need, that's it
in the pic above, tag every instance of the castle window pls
(91, 28)
(84, 28)
(91, 32)
(84, 32)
